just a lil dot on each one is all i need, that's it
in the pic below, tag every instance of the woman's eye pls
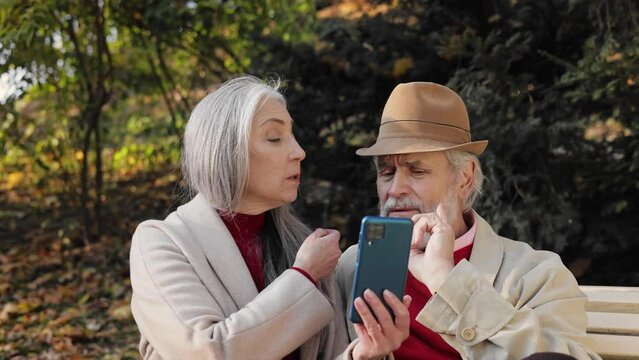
(274, 140)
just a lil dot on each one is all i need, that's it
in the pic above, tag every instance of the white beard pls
(449, 203)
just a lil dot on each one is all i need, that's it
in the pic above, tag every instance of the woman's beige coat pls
(194, 298)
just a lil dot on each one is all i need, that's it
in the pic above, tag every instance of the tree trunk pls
(98, 175)
(84, 184)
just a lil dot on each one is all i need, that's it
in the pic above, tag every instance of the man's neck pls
(460, 227)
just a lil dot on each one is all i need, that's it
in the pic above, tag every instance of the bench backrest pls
(613, 321)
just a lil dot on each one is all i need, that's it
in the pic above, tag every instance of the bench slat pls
(612, 323)
(613, 347)
(612, 299)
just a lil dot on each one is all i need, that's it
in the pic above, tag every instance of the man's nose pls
(399, 186)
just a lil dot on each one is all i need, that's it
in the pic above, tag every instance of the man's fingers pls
(419, 229)
(407, 300)
(373, 328)
(381, 313)
(364, 313)
(400, 309)
(362, 333)
(442, 213)
(424, 224)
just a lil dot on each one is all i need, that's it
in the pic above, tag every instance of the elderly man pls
(476, 295)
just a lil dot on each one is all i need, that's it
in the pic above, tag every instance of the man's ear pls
(466, 179)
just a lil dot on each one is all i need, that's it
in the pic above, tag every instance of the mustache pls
(403, 203)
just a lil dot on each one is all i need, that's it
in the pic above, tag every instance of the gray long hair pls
(215, 163)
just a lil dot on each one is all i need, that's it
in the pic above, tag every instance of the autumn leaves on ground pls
(61, 298)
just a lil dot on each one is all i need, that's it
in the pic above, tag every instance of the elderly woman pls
(233, 274)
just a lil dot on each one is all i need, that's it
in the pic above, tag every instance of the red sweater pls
(423, 343)
(245, 230)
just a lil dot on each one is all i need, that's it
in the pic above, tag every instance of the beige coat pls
(194, 298)
(509, 301)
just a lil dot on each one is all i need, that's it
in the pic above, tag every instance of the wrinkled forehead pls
(422, 158)
(271, 108)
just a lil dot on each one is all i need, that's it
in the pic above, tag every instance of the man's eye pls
(419, 172)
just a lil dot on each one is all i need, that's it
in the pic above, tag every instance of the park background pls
(94, 96)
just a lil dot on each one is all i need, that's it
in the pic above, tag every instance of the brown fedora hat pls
(423, 117)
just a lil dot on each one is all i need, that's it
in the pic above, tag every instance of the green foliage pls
(551, 84)
(164, 55)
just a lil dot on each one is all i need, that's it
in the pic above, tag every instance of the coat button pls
(468, 334)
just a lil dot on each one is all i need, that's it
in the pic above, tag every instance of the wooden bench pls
(613, 321)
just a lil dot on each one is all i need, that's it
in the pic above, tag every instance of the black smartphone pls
(382, 258)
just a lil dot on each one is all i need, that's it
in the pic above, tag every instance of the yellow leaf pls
(401, 66)
(494, 18)
(614, 57)
(13, 179)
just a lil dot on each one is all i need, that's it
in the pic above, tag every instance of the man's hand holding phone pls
(378, 333)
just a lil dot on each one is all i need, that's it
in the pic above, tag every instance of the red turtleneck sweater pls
(423, 343)
(245, 230)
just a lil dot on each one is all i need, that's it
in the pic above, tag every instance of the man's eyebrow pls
(413, 163)
(384, 161)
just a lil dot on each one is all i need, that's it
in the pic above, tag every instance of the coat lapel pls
(488, 250)
(220, 249)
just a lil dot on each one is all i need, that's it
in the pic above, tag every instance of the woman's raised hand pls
(319, 253)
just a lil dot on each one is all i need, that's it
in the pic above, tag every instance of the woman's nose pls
(298, 153)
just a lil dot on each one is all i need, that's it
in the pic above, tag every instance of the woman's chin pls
(290, 199)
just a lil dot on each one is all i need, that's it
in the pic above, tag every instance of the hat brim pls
(393, 146)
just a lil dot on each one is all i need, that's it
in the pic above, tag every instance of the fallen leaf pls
(7, 310)
(121, 311)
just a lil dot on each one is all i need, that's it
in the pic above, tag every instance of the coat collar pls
(219, 248)
(488, 250)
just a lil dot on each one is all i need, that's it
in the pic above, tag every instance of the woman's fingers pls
(319, 253)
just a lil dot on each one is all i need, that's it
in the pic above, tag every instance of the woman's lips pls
(294, 178)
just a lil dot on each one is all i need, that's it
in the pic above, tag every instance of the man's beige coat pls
(508, 302)
(194, 298)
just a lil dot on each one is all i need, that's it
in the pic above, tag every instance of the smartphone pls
(382, 258)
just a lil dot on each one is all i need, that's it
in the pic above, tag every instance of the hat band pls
(423, 129)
